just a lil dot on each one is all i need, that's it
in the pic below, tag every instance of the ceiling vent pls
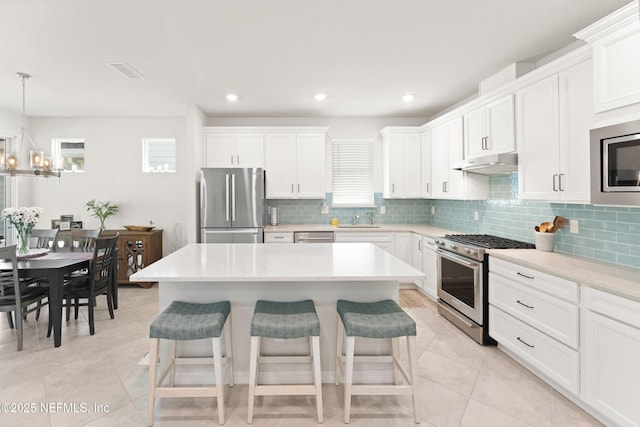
(126, 70)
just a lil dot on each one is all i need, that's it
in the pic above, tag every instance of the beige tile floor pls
(461, 383)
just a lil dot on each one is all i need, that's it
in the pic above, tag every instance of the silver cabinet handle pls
(393, 188)
(292, 188)
(525, 276)
(238, 159)
(278, 237)
(233, 197)
(521, 303)
(443, 189)
(555, 175)
(428, 185)
(525, 343)
(232, 159)
(560, 182)
(419, 245)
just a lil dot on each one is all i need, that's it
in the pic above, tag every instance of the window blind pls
(353, 172)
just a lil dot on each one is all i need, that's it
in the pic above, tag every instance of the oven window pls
(458, 281)
(623, 163)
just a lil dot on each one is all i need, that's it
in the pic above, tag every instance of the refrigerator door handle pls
(233, 197)
(226, 188)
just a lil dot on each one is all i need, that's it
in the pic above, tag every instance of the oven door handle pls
(459, 259)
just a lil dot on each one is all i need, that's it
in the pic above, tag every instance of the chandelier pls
(39, 165)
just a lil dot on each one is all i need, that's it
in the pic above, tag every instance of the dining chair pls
(16, 296)
(98, 281)
(43, 238)
(85, 238)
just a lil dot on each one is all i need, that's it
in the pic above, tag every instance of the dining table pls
(53, 264)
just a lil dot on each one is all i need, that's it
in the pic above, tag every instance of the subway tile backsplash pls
(606, 233)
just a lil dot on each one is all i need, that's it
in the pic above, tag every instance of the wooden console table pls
(136, 250)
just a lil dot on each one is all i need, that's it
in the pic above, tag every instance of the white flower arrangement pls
(23, 220)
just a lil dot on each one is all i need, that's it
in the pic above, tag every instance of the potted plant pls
(102, 210)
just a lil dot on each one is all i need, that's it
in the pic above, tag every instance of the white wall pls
(367, 127)
(113, 159)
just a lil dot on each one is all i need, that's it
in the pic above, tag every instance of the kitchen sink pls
(358, 226)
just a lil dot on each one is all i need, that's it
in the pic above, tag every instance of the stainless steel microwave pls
(615, 164)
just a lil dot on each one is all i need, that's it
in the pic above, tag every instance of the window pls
(158, 155)
(352, 172)
(68, 154)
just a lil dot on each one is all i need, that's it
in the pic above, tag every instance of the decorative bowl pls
(138, 227)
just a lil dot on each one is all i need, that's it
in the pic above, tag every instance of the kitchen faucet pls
(355, 217)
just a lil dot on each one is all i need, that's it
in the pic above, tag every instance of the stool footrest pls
(284, 359)
(373, 389)
(285, 390)
(196, 360)
(186, 392)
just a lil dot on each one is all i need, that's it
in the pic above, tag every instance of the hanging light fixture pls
(39, 165)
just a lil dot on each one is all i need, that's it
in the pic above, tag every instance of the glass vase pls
(23, 243)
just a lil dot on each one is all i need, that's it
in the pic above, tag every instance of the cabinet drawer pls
(554, 360)
(553, 285)
(551, 315)
(278, 237)
(622, 309)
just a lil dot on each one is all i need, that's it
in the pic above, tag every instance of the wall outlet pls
(383, 210)
(433, 210)
(573, 226)
(324, 209)
(475, 215)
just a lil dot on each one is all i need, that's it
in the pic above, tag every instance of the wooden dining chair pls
(43, 238)
(16, 296)
(98, 281)
(85, 238)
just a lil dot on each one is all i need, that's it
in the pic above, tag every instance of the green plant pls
(102, 210)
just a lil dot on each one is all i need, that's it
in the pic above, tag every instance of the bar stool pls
(186, 321)
(285, 320)
(382, 319)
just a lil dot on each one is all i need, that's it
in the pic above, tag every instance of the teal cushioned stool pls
(183, 321)
(285, 320)
(385, 320)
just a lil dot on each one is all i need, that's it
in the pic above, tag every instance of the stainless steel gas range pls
(463, 272)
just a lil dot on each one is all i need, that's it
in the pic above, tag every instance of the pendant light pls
(39, 165)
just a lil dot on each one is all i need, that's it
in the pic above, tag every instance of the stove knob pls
(472, 252)
(454, 246)
(467, 251)
(438, 242)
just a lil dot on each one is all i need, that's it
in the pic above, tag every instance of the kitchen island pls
(245, 273)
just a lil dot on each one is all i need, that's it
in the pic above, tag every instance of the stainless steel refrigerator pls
(232, 205)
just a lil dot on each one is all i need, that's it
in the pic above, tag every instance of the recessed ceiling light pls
(407, 98)
(321, 96)
(232, 97)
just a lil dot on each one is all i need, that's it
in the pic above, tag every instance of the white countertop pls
(424, 229)
(616, 279)
(200, 262)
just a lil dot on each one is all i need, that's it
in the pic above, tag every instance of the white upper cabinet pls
(426, 185)
(401, 148)
(615, 41)
(446, 148)
(295, 165)
(554, 117)
(226, 148)
(490, 129)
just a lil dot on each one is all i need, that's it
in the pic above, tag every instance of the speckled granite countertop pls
(616, 279)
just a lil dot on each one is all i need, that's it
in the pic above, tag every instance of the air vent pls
(126, 70)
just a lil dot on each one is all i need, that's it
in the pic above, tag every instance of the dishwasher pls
(313, 237)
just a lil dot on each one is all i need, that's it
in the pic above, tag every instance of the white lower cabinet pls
(611, 356)
(429, 267)
(278, 237)
(534, 316)
(403, 247)
(383, 240)
(416, 256)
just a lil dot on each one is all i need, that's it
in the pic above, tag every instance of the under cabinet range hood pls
(495, 164)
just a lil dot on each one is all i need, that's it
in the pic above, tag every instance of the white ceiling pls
(275, 54)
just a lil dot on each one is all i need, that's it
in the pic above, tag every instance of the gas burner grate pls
(489, 242)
